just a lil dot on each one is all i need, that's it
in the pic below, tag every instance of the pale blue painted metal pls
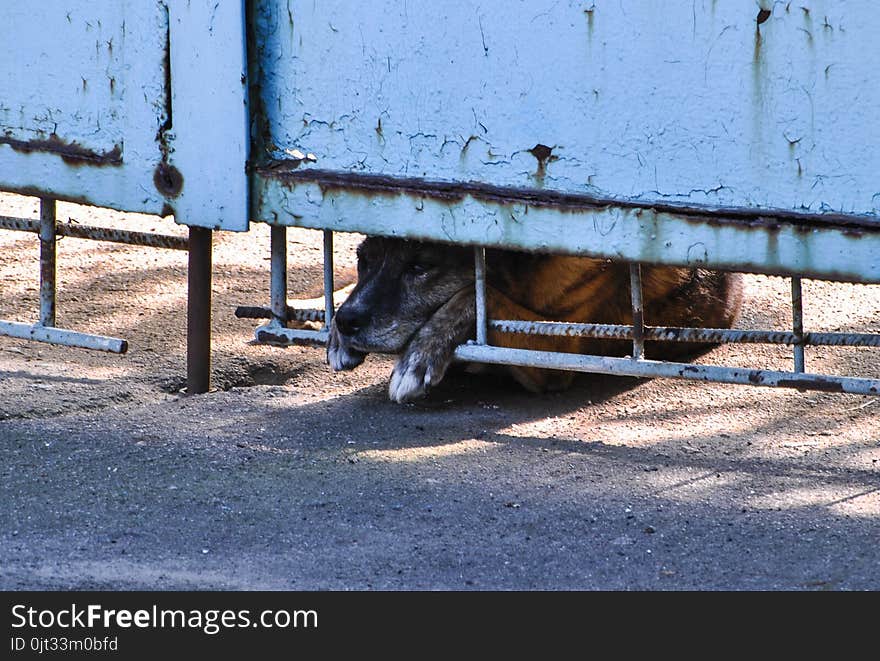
(679, 100)
(90, 112)
(679, 103)
(209, 136)
(63, 71)
(82, 89)
(654, 368)
(643, 235)
(698, 133)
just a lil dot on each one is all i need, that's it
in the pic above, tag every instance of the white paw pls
(413, 374)
(339, 356)
(408, 379)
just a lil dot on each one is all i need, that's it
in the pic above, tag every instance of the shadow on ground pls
(260, 489)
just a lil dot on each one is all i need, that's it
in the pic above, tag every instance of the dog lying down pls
(417, 300)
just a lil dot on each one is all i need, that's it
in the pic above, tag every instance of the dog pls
(417, 299)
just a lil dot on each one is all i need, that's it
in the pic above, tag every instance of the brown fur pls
(417, 300)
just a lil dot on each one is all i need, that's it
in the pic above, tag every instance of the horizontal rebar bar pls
(675, 334)
(621, 332)
(128, 237)
(293, 314)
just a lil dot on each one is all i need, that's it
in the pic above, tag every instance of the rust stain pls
(767, 220)
(541, 152)
(261, 132)
(70, 152)
(763, 15)
(168, 180)
(805, 384)
(544, 155)
(589, 12)
(756, 52)
(758, 78)
(166, 124)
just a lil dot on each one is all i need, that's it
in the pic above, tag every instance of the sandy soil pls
(288, 476)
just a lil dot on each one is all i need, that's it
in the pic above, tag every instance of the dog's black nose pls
(349, 320)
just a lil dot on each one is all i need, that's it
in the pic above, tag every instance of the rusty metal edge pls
(71, 153)
(286, 173)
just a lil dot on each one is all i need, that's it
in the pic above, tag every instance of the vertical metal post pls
(328, 278)
(797, 317)
(635, 288)
(480, 285)
(278, 273)
(47, 262)
(198, 317)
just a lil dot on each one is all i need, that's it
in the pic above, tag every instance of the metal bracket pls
(48, 230)
(44, 330)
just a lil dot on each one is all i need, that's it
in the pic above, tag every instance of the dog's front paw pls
(414, 373)
(339, 356)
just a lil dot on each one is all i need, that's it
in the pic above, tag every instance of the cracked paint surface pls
(122, 104)
(82, 87)
(684, 100)
(44, 93)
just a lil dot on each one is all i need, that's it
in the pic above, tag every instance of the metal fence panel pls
(706, 103)
(132, 105)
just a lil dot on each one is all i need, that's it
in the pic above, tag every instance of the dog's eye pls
(418, 268)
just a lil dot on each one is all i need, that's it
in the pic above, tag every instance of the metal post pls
(328, 278)
(47, 262)
(480, 285)
(198, 328)
(797, 315)
(278, 274)
(635, 288)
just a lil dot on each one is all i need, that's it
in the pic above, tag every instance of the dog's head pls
(400, 286)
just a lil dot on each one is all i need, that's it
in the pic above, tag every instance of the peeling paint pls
(762, 220)
(478, 214)
(72, 153)
(544, 155)
(446, 95)
(168, 180)
(589, 12)
(684, 106)
(86, 113)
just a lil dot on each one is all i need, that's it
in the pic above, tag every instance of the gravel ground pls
(288, 476)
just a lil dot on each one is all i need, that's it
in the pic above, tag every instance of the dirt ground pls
(288, 476)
